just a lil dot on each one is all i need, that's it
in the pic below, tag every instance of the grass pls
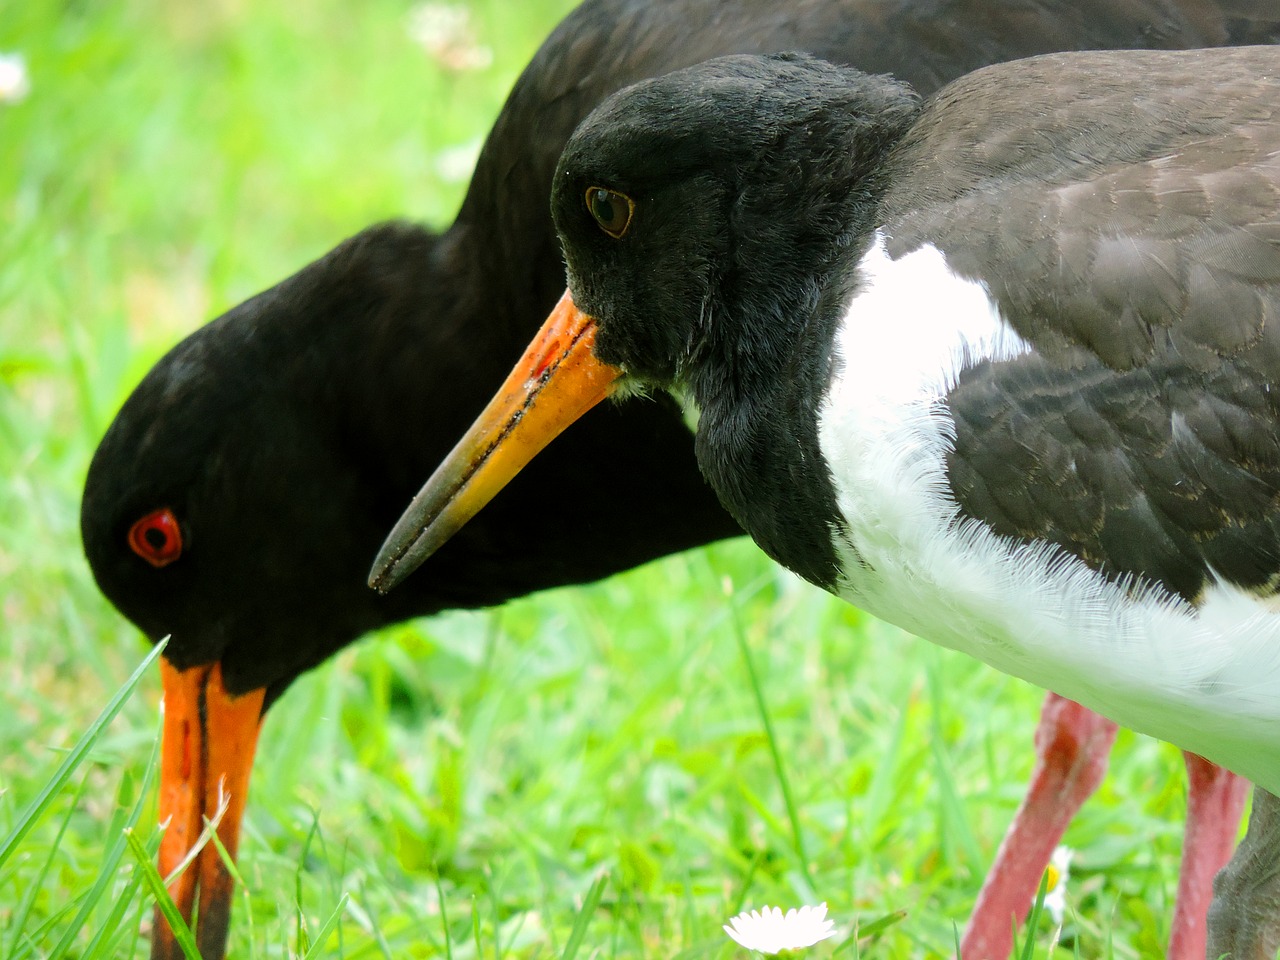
(583, 773)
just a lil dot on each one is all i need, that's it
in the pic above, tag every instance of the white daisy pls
(770, 931)
(14, 82)
(1055, 896)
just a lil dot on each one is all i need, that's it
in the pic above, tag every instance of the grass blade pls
(956, 823)
(317, 944)
(580, 925)
(36, 808)
(881, 924)
(105, 942)
(771, 736)
(155, 883)
(875, 927)
(20, 919)
(444, 919)
(1033, 921)
(111, 861)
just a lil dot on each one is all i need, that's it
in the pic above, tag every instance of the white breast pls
(1206, 678)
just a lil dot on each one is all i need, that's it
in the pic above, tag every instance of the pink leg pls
(1072, 746)
(1215, 802)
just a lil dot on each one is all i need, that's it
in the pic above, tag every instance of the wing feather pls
(1132, 237)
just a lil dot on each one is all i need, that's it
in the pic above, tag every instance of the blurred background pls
(455, 786)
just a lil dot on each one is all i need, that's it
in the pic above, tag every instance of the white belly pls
(1206, 678)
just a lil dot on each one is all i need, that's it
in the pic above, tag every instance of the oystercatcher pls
(998, 366)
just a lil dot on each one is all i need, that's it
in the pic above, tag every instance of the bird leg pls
(1215, 802)
(1244, 920)
(1072, 746)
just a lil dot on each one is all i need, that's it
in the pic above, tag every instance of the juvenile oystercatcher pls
(999, 367)
(242, 451)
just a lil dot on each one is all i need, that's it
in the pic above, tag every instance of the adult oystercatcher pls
(191, 535)
(999, 367)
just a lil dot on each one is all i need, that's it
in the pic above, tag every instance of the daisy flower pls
(770, 931)
(1055, 896)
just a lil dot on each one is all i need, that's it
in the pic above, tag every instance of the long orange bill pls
(206, 755)
(553, 384)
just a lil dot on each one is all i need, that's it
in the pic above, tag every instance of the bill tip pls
(384, 575)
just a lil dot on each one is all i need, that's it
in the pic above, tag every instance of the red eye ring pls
(157, 538)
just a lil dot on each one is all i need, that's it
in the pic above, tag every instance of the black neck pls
(760, 394)
(757, 445)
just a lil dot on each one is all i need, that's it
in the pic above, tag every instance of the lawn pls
(454, 786)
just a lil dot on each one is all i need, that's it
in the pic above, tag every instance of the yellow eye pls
(612, 210)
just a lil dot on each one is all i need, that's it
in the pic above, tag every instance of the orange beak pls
(553, 384)
(206, 756)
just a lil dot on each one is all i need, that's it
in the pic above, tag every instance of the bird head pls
(702, 215)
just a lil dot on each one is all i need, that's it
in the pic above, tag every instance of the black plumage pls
(282, 429)
(287, 434)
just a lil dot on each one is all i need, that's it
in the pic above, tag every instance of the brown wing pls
(1129, 231)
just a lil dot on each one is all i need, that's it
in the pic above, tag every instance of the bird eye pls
(612, 210)
(157, 538)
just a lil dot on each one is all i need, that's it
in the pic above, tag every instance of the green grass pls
(455, 787)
